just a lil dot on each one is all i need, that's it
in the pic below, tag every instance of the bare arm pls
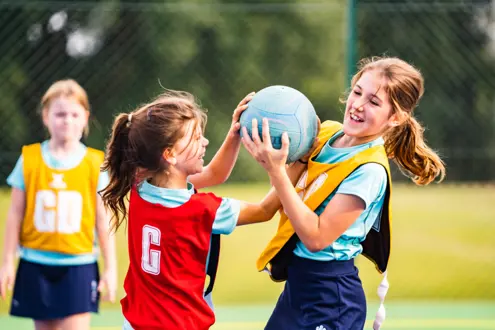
(266, 209)
(15, 217)
(107, 244)
(220, 167)
(13, 225)
(315, 232)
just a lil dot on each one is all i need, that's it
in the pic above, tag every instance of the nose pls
(205, 141)
(357, 107)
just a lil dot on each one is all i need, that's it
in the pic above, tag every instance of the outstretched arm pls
(316, 232)
(266, 209)
(270, 204)
(220, 167)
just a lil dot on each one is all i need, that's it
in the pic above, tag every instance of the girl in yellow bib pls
(54, 214)
(340, 207)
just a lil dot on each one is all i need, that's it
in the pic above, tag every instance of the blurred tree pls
(445, 41)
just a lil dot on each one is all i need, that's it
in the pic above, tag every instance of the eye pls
(356, 92)
(374, 102)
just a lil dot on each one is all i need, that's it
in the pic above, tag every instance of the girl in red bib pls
(156, 153)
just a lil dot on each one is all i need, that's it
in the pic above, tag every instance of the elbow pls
(313, 248)
(223, 179)
(314, 245)
(263, 217)
(216, 177)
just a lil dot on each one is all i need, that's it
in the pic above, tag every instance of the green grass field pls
(441, 272)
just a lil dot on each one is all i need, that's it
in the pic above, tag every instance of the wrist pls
(277, 173)
(110, 266)
(8, 260)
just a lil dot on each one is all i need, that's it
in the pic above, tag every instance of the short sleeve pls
(226, 216)
(368, 182)
(103, 180)
(16, 178)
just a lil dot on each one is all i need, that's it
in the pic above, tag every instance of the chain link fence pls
(123, 52)
(453, 44)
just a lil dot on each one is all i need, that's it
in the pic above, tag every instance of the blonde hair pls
(138, 140)
(67, 88)
(405, 143)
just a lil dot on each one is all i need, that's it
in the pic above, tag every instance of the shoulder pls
(369, 182)
(366, 175)
(30, 149)
(94, 158)
(31, 157)
(209, 199)
(95, 154)
(328, 128)
(375, 170)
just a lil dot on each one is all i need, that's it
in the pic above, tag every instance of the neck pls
(60, 149)
(346, 141)
(169, 181)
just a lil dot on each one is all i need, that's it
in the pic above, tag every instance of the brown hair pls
(405, 143)
(67, 88)
(138, 140)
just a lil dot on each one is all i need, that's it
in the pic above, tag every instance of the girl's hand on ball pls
(271, 159)
(243, 105)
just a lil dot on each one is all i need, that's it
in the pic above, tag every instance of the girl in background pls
(54, 214)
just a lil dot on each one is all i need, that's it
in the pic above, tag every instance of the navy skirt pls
(320, 295)
(43, 292)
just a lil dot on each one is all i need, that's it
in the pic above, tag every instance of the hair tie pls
(129, 119)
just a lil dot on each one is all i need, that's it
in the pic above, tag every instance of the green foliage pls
(223, 50)
(449, 45)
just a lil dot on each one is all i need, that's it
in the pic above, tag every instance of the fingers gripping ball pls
(287, 110)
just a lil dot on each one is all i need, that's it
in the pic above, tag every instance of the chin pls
(350, 131)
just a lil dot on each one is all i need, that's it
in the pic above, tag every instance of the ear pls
(169, 156)
(44, 116)
(394, 121)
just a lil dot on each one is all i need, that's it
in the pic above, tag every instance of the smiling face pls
(368, 111)
(189, 151)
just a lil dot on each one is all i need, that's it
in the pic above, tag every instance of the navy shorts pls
(43, 292)
(320, 295)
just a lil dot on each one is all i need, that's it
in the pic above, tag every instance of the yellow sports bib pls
(314, 186)
(60, 211)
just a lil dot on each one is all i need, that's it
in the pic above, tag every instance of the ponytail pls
(406, 145)
(135, 150)
(121, 168)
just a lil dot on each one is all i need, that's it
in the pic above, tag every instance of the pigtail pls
(121, 166)
(405, 144)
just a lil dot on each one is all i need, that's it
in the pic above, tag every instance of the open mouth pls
(356, 118)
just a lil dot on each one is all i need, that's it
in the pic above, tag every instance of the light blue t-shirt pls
(225, 218)
(16, 179)
(368, 182)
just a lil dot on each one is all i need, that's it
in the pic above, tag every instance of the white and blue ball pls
(287, 110)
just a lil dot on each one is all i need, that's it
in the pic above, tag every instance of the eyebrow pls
(373, 95)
